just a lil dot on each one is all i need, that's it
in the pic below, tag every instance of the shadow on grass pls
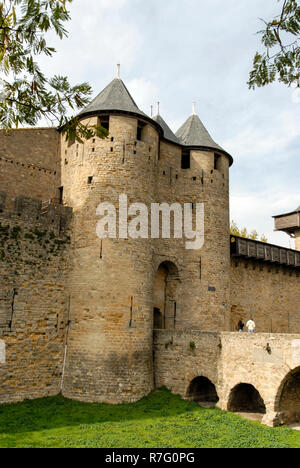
(55, 412)
(161, 420)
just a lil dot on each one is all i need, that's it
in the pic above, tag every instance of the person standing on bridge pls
(251, 325)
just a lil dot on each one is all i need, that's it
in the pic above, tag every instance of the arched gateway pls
(165, 296)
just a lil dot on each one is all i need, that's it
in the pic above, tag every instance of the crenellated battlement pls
(48, 214)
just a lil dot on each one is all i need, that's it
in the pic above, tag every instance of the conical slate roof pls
(168, 134)
(193, 133)
(115, 97)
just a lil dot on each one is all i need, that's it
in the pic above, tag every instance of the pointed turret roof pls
(115, 97)
(168, 134)
(194, 134)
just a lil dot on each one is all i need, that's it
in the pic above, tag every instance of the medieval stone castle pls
(110, 320)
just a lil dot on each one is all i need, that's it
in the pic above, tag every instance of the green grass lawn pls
(160, 420)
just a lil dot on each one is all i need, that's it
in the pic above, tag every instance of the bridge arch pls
(201, 389)
(245, 398)
(287, 403)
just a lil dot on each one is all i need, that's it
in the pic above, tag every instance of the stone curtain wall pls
(33, 299)
(181, 356)
(269, 292)
(30, 164)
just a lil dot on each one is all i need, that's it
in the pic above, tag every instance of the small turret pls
(193, 134)
(168, 134)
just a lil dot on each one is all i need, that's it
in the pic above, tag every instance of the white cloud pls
(100, 36)
(144, 92)
(262, 141)
(107, 4)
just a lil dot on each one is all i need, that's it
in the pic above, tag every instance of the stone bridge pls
(240, 372)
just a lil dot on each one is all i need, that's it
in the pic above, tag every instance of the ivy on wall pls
(19, 245)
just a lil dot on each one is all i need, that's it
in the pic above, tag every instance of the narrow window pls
(103, 121)
(90, 180)
(186, 159)
(217, 159)
(131, 312)
(140, 127)
(61, 195)
(12, 309)
(139, 133)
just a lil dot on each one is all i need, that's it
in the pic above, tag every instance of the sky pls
(177, 52)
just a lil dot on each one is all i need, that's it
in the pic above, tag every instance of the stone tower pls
(206, 287)
(110, 340)
(120, 289)
(290, 223)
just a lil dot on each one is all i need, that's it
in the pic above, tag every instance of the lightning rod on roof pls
(151, 107)
(118, 71)
(158, 105)
(194, 108)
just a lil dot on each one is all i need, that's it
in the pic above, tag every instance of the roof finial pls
(194, 108)
(118, 71)
(158, 106)
(151, 107)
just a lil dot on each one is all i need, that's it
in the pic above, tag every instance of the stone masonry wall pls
(182, 355)
(262, 360)
(29, 164)
(270, 293)
(229, 359)
(203, 274)
(33, 299)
